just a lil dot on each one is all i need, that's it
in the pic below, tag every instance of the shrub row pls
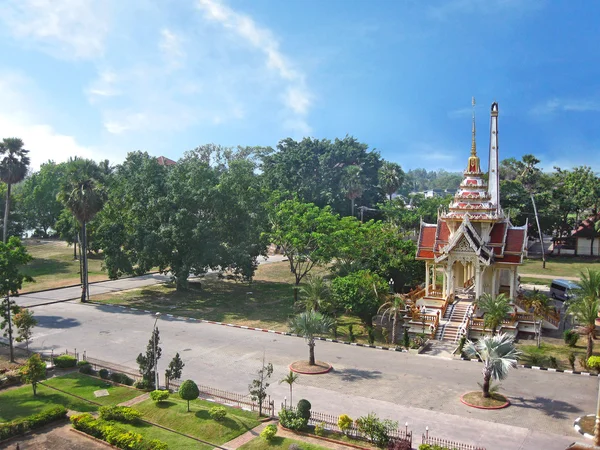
(120, 413)
(86, 368)
(20, 426)
(65, 361)
(158, 396)
(115, 435)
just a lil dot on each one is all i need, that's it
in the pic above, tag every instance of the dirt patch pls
(477, 400)
(20, 357)
(305, 368)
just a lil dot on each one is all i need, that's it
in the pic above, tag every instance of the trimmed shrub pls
(144, 385)
(120, 413)
(20, 426)
(65, 361)
(103, 374)
(320, 429)
(292, 420)
(121, 378)
(572, 360)
(87, 369)
(345, 423)
(189, 391)
(269, 432)
(571, 337)
(375, 429)
(399, 444)
(159, 396)
(83, 362)
(217, 413)
(593, 362)
(304, 409)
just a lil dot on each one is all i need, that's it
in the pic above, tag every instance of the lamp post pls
(154, 329)
(391, 285)
(9, 320)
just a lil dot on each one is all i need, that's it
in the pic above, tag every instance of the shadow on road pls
(352, 375)
(556, 409)
(56, 322)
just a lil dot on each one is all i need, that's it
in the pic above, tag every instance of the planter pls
(419, 350)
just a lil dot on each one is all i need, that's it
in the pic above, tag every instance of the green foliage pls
(345, 423)
(495, 310)
(309, 324)
(375, 429)
(33, 371)
(391, 177)
(303, 409)
(120, 414)
(24, 323)
(358, 293)
(217, 413)
(461, 344)
(21, 426)
(571, 337)
(584, 307)
(320, 429)
(87, 369)
(121, 378)
(189, 391)
(65, 361)
(158, 396)
(593, 362)
(292, 420)
(148, 361)
(175, 368)
(82, 363)
(269, 432)
(433, 447)
(371, 335)
(103, 373)
(258, 387)
(351, 334)
(572, 360)
(114, 435)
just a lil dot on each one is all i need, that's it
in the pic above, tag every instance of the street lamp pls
(391, 285)
(154, 329)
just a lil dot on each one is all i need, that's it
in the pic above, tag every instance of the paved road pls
(420, 390)
(547, 277)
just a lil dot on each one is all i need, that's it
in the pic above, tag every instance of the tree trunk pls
(590, 346)
(291, 403)
(537, 220)
(84, 273)
(311, 354)
(486, 385)
(352, 203)
(391, 199)
(10, 336)
(394, 329)
(6, 210)
(34, 387)
(75, 247)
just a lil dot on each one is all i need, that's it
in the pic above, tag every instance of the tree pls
(33, 371)
(391, 177)
(189, 391)
(149, 361)
(82, 193)
(258, 387)
(393, 308)
(303, 232)
(24, 322)
(352, 184)
(584, 306)
(309, 324)
(540, 305)
(13, 255)
(494, 310)
(290, 379)
(175, 368)
(358, 293)
(13, 168)
(498, 354)
(316, 294)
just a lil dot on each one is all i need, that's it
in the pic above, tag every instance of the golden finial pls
(473, 145)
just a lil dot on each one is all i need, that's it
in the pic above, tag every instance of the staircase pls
(449, 328)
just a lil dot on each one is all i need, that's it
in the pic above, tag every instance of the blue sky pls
(99, 78)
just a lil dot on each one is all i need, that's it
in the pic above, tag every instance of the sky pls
(101, 78)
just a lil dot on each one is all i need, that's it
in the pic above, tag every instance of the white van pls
(562, 289)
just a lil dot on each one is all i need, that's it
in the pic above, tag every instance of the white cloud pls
(171, 46)
(556, 105)
(20, 117)
(65, 28)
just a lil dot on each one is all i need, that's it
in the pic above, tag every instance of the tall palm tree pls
(584, 306)
(540, 305)
(393, 308)
(494, 310)
(290, 379)
(309, 324)
(83, 194)
(498, 354)
(352, 184)
(315, 293)
(13, 168)
(391, 177)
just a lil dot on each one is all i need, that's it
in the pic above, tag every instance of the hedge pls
(115, 435)
(120, 413)
(65, 361)
(20, 426)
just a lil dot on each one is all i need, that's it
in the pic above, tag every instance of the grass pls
(173, 440)
(559, 266)
(552, 347)
(476, 398)
(540, 281)
(198, 423)
(53, 266)
(277, 442)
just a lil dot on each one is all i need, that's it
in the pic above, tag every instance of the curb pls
(547, 369)
(464, 402)
(578, 428)
(321, 372)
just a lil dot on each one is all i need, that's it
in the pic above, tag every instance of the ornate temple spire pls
(473, 166)
(473, 143)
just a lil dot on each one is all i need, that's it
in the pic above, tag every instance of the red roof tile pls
(497, 234)
(427, 238)
(426, 254)
(511, 259)
(514, 240)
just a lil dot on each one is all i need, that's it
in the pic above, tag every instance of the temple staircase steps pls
(455, 316)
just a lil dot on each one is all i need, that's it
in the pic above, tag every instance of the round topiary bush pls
(217, 413)
(103, 374)
(571, 337)
(269, 432)
(159, 396)
(304, 409)
(87, 369)
(189, 391)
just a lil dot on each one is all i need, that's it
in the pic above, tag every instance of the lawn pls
(173, 440)
(53, 265)
(559, 266)
(277, 442)
(20, 402)
(198, 423)
(552, 347)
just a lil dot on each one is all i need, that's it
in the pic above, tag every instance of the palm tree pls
(498, 354)
(352, 184)
(290, 379)
(494, 310)
(584, 306)
(391, 177)
(540, 305)
(13, 168)
(84, 195)
(315, 293)
(308, 324)
(393, 308)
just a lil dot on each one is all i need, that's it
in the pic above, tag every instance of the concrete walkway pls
(246, 437)
(136, 400)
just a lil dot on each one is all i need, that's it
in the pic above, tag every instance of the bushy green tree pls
(14, 163)
(309, 324)
(189, 391)
(148, 361)
(495, 310)
(358, 293)
(175, 368)
(24, 323)
(33, 371)
(391, 177)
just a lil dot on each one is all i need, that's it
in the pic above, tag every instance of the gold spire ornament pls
(473, 166)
